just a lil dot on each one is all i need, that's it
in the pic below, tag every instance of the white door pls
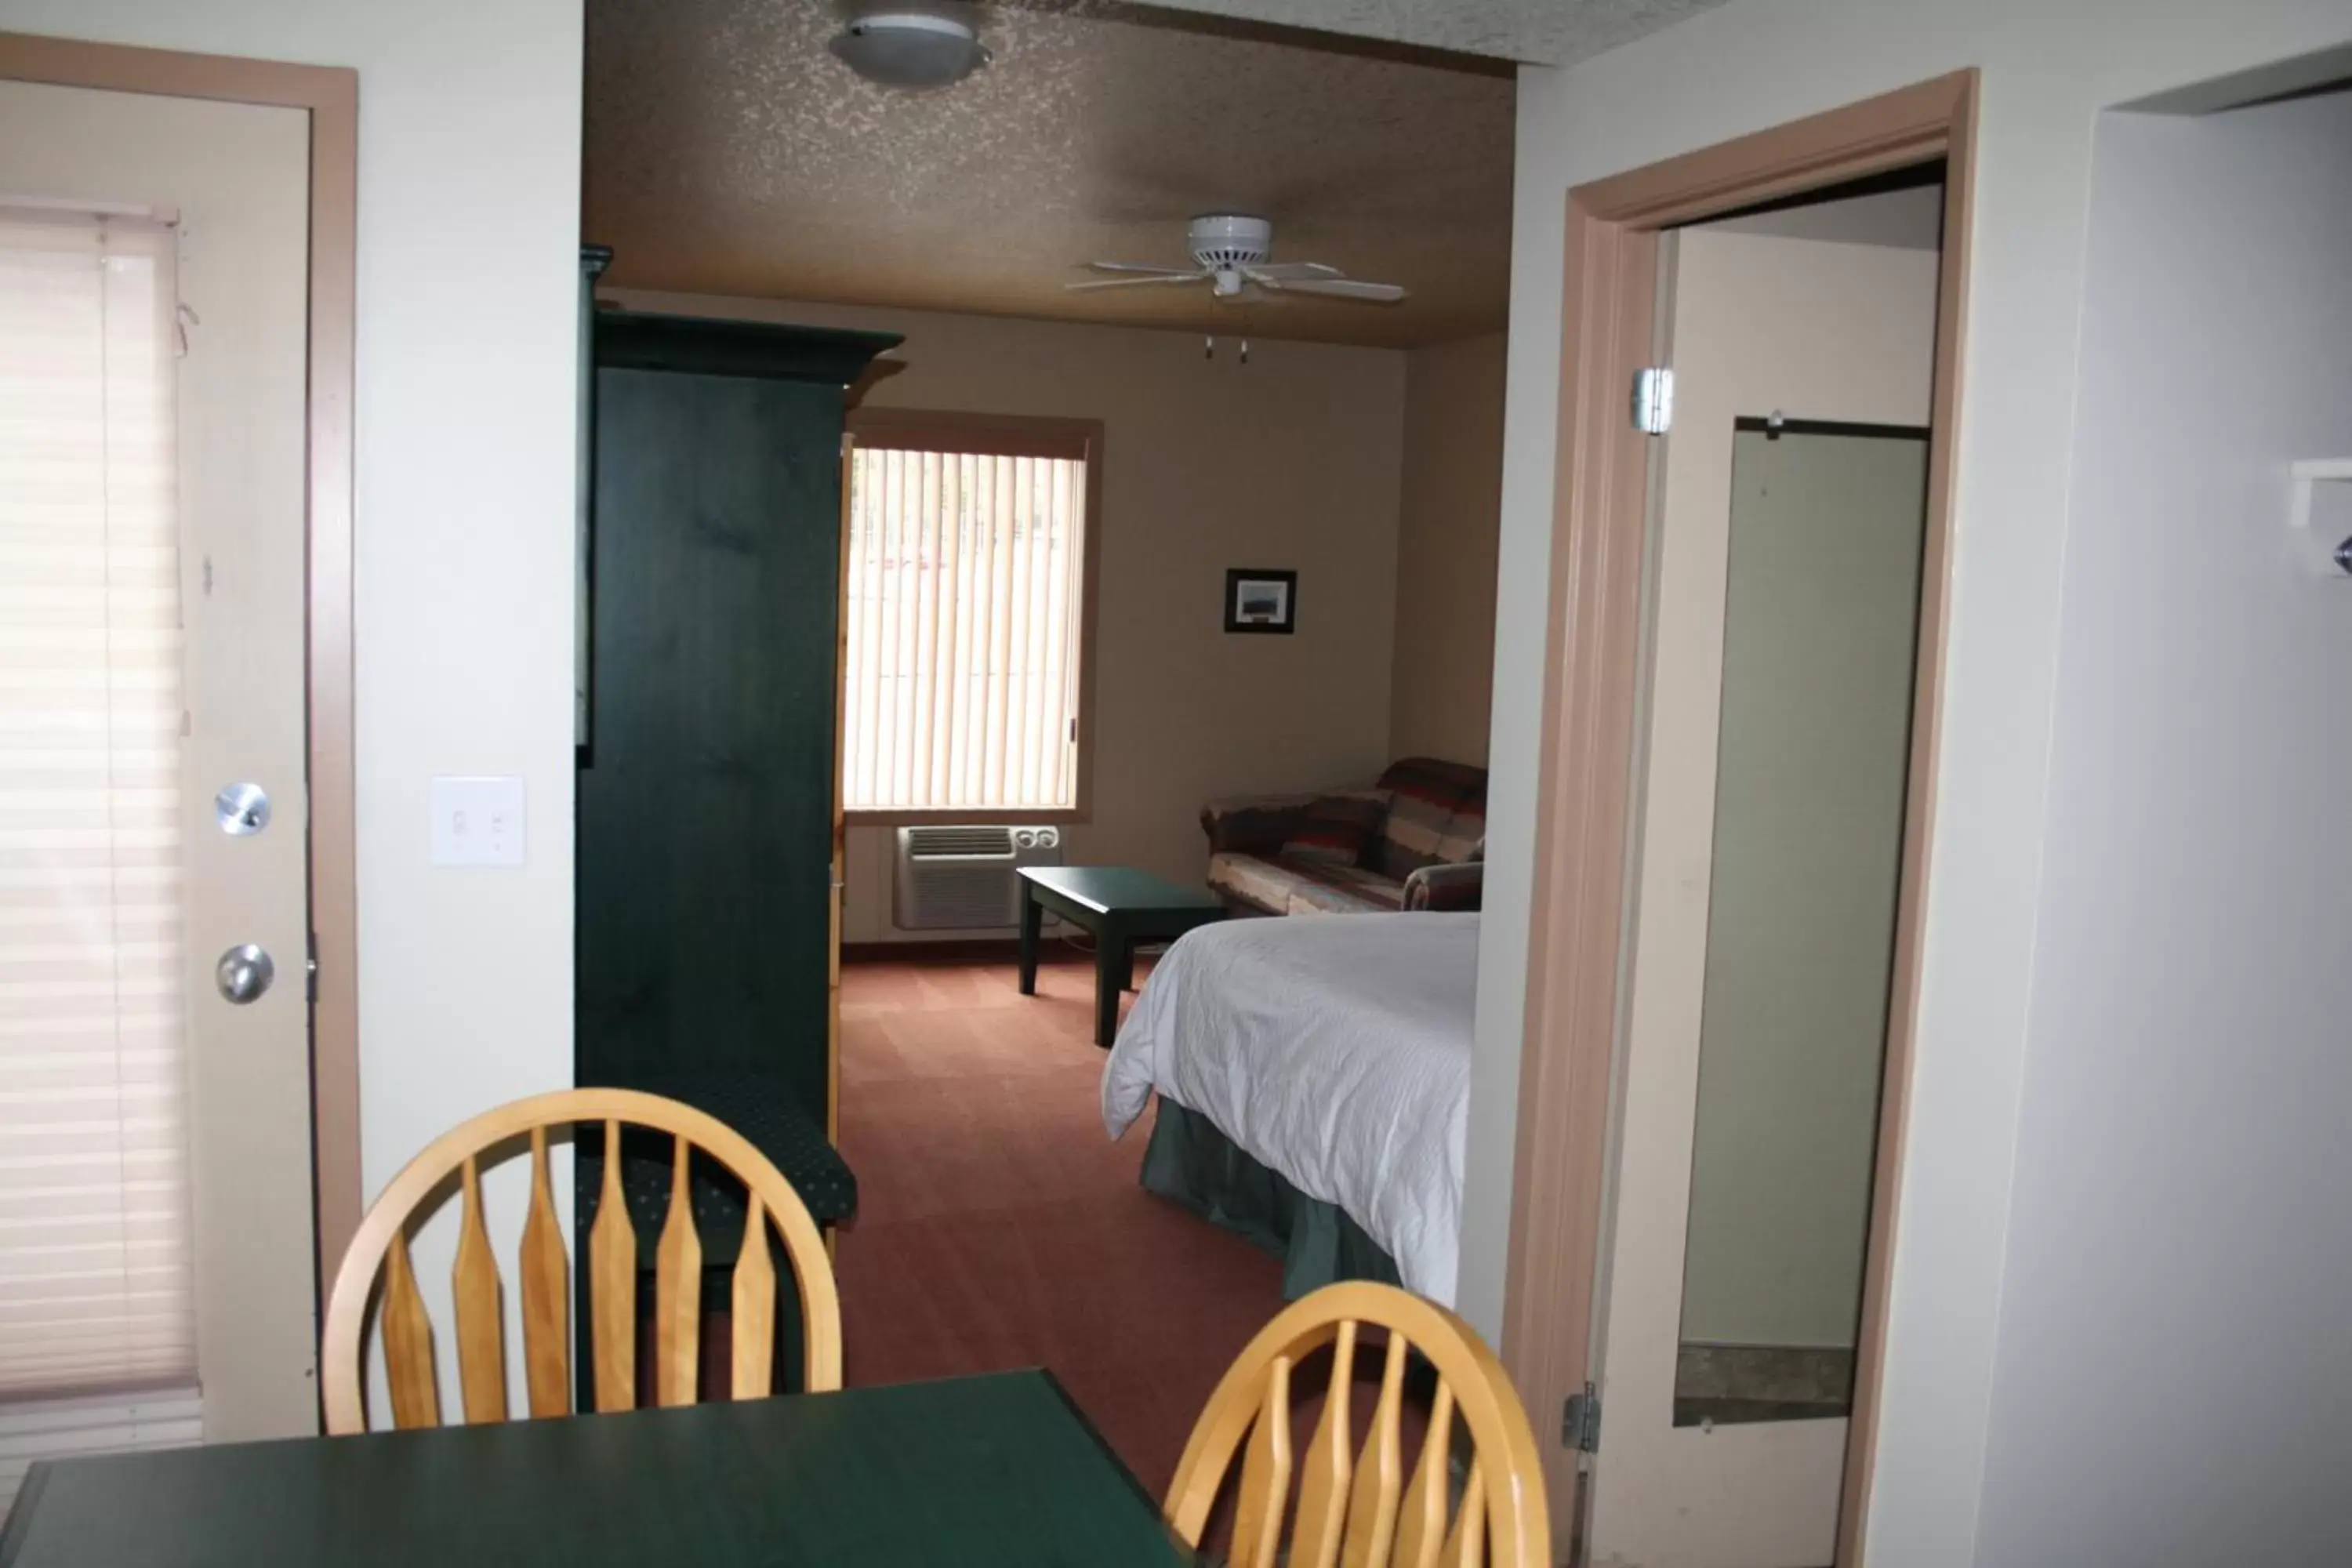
(1782, 633)
(195, 551)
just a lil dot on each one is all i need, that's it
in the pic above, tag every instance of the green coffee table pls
(1122, 907)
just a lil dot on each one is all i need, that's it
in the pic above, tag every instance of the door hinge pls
(310, 968)
(1654, 400)
(1580, 1421)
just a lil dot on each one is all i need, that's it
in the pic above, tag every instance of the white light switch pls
(477, 821)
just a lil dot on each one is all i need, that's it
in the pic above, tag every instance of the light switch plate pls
(477, 821)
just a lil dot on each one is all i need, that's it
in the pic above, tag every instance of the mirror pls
(1821, 635)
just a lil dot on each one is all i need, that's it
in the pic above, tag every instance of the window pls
(95, 1280)
(968, 555)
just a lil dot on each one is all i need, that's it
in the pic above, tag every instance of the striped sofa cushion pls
(1437, 815)
(1338, 827)
(1288, 887)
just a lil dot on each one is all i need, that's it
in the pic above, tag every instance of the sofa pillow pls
(1428, 796)
(1338, 827)
(1464, 839)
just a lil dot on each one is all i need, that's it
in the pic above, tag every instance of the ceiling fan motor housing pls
(1223, 243)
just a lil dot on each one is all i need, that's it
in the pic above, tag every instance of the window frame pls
(1001, 435)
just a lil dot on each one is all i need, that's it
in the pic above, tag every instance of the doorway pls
(189, 219)
(1580, 1147)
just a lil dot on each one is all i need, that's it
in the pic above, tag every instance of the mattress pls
(1335, 1050)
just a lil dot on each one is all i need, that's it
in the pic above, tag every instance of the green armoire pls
(706, 896)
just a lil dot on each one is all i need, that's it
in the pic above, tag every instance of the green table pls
(1122, 907)
(972, 1471)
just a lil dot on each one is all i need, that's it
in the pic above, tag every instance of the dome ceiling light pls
(917, 47)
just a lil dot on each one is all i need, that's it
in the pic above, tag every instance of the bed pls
(1332, 1054)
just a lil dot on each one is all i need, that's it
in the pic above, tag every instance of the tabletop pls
(1111, 889)
(1000, 1468)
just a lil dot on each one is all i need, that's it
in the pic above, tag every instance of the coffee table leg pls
(1112, 958)
(1032, 917)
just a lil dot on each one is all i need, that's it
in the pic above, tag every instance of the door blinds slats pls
(95, 1286)
(966, 575)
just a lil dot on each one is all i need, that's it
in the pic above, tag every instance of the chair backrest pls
(1367, 1504)
(380, 1251)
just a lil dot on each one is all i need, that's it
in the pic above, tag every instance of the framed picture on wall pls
(1258, 600)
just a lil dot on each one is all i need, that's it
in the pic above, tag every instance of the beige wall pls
(1448, 518)
(2048, 67)
(1290, 460)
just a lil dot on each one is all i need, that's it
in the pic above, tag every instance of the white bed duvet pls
(1334, 1049)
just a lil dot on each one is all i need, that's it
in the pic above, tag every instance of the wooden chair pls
(1366, 1512)
(381, 1248)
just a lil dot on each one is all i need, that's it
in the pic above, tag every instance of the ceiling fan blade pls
(1348, 288)
(1140, 267)
(1290, 271)
(1137, 282)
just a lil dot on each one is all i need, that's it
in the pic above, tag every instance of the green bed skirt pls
(1190, 1163)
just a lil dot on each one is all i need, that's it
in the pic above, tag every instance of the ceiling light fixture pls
(910, 47)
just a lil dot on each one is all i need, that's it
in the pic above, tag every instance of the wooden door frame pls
(1591, 690)
(330, 95)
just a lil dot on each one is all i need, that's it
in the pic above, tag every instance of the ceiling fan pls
(1229, 254)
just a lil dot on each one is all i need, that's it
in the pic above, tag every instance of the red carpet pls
(997, 1226)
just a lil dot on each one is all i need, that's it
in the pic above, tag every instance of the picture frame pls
(1262, 601)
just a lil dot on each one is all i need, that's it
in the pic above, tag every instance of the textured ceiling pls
(1543, 32)
(729, 153)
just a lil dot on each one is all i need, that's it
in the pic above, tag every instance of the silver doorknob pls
(241, 809)
(244, 972)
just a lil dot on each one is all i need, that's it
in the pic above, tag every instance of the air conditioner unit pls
(966, 878)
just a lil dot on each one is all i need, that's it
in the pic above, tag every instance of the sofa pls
(1415, 839)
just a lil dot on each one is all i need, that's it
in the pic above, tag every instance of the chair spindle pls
(1323, 1477)
(407, 1343)
(677, 1291)
(1265, 1476)
(1420, 1527)
(1379, 1471)
(481, 1321)
(546, 1295)
(613, 1286)
(754, 1308)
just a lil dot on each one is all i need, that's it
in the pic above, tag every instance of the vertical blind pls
(966, 610)
(95, 1286)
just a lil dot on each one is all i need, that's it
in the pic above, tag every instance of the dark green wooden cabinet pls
(706, 794)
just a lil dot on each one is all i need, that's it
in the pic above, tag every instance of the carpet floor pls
(998, 1226)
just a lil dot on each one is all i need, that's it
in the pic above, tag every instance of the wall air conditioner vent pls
(948, 843)
(966, 877)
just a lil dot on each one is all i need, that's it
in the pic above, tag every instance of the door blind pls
(967, 579)
(95, 1285)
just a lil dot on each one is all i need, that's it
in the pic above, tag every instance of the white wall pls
(2048, 65)
(1290, 460)
(2172, 1371)
(1449, 519)
(468, 235)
